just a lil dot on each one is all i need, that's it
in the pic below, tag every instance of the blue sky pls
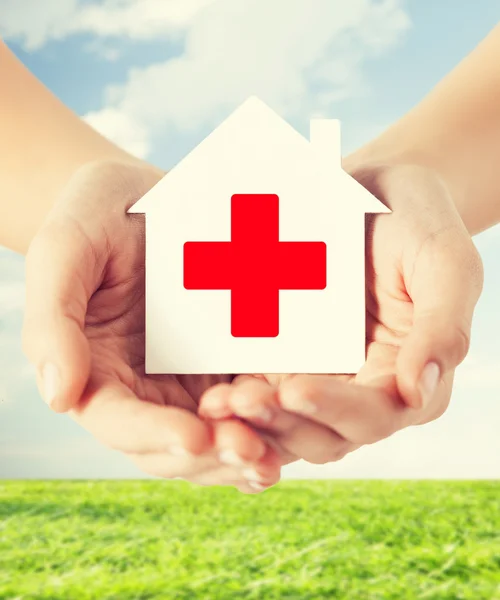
(158, 75)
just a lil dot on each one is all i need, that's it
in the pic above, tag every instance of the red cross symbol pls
(255, 265)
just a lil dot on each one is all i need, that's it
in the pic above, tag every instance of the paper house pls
(255, 253)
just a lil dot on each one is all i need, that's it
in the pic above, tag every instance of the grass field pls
(302, 540)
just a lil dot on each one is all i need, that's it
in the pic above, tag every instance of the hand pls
(84, 331)
(424, 277)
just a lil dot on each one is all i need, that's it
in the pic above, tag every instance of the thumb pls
(445, 287)
(59, 268)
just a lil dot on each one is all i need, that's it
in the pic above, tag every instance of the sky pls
(156, 76)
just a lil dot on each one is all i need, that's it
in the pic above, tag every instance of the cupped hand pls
(84, 332)
(423, 279)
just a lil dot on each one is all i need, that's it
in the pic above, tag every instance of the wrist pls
(380, 154)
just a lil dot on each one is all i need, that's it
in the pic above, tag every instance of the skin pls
(84, 329)
(64, 190)
(424, 277)
(43, 143)
(454, 131)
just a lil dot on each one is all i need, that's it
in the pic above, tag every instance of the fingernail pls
(428, 382)
(178, 451)
(251, 475)
(50, 383)
(229, 457)
(258, 487)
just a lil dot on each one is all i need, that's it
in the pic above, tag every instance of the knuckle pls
(460, 340)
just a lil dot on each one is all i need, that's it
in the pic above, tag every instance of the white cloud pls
(103, 49)
(299, 57)
(34, 23)
(144, 19)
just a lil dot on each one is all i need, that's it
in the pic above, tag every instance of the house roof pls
(259, 133)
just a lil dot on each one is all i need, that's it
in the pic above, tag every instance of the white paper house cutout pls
(255, 151)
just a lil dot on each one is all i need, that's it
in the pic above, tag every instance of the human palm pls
(85, 331)
(85, 317)
(114, 326)
(423, 279)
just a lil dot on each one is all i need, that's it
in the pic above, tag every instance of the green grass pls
(302, 540)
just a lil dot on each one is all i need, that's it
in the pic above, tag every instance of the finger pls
(253, 399)
(208, 469)
(122, 422)
(182, 464)
(59, 271)
(256, 401)
(241, 447)
(252, 488)
(228, 477)
(204, 469)
(445, 287)
(250, 398)
(259, 482)
(315, 443)
(214, 402)
(360, 414)
(232, 434)
(237, 444)
(261, 476)
(246, 487)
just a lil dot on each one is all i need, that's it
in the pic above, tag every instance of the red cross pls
(255, 265)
